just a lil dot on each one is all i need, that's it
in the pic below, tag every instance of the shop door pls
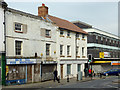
(29, 73)
(61, 71)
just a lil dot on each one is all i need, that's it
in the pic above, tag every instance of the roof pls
(66, 24)
(82, 24)
(24, 13)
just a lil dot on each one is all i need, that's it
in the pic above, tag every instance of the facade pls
(101, 41)
(37, 45)
(31, 46)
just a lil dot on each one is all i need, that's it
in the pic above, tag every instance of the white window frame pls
(61, 49)
(83, 51)
(47, 30)
(62, 32)
(68, 33)
(68, 50)
(47, 50)
(21, 27)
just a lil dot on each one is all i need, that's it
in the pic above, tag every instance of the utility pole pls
(3, 60)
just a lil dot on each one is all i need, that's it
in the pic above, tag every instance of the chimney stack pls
(43, 11)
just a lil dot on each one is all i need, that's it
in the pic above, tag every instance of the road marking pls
(112, 86)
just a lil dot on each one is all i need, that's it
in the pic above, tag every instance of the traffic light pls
(89, 57)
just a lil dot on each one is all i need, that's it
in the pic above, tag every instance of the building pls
(104, 47)
(30, 47)
(36, 45)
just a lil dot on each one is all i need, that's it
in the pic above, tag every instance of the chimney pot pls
(43, 4)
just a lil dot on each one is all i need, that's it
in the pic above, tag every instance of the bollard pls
(67, 78)
(58, 79)
(100, 75)
(77, 77)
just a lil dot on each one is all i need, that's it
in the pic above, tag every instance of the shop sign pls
(115, 63)
(21, 61)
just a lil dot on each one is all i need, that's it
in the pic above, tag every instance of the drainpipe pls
(4, 6)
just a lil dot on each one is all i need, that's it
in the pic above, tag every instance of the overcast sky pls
(102, 15)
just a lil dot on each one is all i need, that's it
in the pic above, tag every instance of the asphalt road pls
(99, 83)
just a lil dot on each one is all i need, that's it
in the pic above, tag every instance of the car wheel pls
(106, 74)
(118, 74)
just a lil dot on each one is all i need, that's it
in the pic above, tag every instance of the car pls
(112, 72)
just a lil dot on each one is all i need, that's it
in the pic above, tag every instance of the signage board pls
(104, 54)
(21, 61)
(115, 63)
(101, 54)
(107, 54)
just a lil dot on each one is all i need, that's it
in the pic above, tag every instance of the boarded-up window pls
(42, 32)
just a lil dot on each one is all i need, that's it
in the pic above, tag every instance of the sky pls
(98, 13)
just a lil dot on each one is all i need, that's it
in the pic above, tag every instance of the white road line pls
(112, 86)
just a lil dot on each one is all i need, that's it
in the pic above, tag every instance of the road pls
(99, 83)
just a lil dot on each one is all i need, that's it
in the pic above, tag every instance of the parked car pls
(112, 72)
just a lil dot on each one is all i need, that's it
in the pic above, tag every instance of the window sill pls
(62, 56)
(18, 31)
(83, 56)
(62, 36)
(78, 38)
(68, 37)
(78, 56)
(48, 36)
(83, 39)
(68, 56)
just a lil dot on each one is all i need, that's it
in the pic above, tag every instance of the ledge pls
(78, 38)
(62, 36)
(83, 39)
(62, 56)
(48, 36)
(18, 31)
(68, 37)
(83, 56)
(78, 56)
(68, 56)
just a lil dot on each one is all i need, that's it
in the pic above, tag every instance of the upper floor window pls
(18, 27)
(68, 33)
(61, 32)
(82, 51)
(47, 49)
(61, 49)
(83, 36)
(96, 37)
(47, 32)
(101, 38)
(18, 47)
(77, 35)
(68, 50)
(77, 49)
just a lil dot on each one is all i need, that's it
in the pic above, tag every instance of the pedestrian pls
(90, 72)
(55, 75)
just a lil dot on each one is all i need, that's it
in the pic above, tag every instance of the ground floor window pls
(68, 69)
(79, 68)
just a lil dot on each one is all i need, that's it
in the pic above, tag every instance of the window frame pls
(68, 33)
(61, 49)
(61, 32)
(47, 34)
(18, 47)
(18, 29)
(47, 49)
(68, 50)
(68, 69)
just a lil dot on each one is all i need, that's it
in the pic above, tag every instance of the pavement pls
(51, 83)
